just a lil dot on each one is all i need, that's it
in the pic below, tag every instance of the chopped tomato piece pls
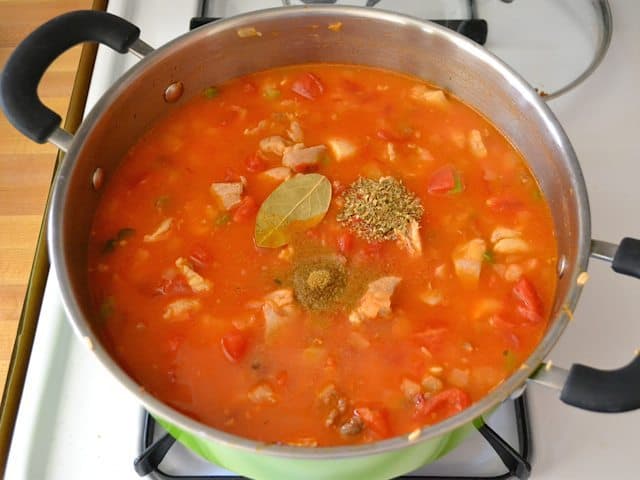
(308, 86)
(442, 180)
(254, 163)
(345, 243)
(375, 420)
(246, 210)
(447, 403)
(234, 346)
(530, 307)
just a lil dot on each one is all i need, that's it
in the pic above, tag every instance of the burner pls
(517, 463)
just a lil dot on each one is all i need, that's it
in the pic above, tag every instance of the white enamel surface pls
(76, 422)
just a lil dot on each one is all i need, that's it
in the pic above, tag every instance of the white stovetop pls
(73, 413)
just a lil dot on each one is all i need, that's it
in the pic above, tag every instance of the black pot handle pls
(589, 388)
(26, 65)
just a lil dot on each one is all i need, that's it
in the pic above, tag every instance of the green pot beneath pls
(260, 465)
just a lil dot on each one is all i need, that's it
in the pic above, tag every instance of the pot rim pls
(157, 407)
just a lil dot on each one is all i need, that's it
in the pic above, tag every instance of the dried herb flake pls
(377, 210)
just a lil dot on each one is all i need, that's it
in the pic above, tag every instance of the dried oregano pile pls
(378, 210)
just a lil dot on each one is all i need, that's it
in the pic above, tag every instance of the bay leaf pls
(296, 205)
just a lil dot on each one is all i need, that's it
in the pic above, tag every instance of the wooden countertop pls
(26, 167)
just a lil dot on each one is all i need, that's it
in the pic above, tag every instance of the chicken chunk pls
(160, 232)
(274, 144)
(376, 301)
(410, 239)
(429, 96)
(194, 279)
(299, 159)
(229, 193)
(278, 309)
(340, 148)
(467, 260)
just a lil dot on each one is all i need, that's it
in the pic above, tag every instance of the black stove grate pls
(516, 461)
(474, 28)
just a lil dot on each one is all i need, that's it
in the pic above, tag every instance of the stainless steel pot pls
(215, 53)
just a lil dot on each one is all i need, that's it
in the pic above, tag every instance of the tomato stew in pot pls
(322, 255)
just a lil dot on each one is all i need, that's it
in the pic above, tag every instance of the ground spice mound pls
(319, 282)
(378, 210)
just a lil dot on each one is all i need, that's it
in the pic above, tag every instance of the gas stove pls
(75, 421)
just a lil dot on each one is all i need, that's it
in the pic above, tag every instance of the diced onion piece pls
(513, 272)
(262, 394)
(429, 96)
(467, 260)
(476, 145)
(457, 137)
(431, 297)
(279, 174)
(341, 148)
(286, 254)
(409, 388)
(431, 384)
(159, 233)
(503, 232)
(260, 126)
(228, 193)
(458, 377)
(391, 152)
(295, 132)
(274, 144)
(180, 309)
(511, 245)
(485, 306)
(195, 280)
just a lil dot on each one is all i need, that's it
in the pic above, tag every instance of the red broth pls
(181, 290)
